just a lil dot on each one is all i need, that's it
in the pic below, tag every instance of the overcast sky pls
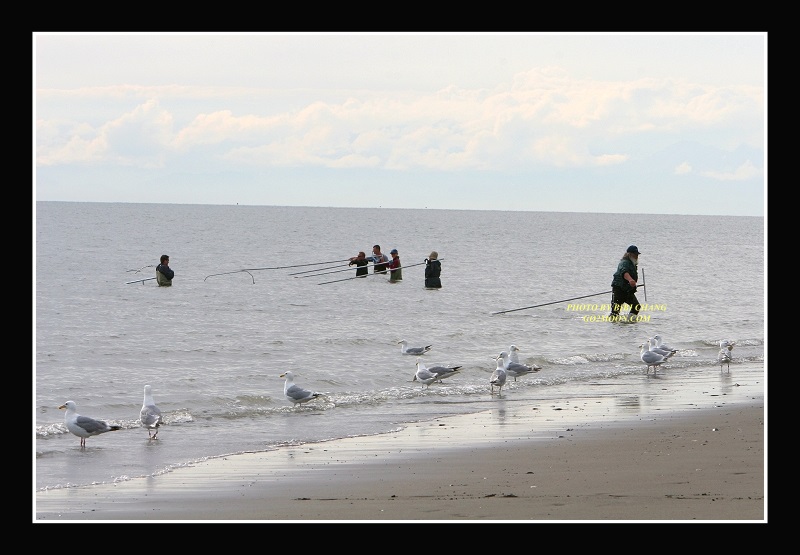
(639, 123)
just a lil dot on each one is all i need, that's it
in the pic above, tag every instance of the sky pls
(661, 123)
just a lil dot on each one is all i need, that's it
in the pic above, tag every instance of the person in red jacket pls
(395, 271)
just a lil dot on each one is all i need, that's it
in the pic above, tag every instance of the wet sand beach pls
(691, 454)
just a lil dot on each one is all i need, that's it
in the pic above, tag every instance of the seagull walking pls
(296, 394)
(83, 426)
(498, 377)
(516, 369)
(406, 350)
(150, 415)
(433, 374)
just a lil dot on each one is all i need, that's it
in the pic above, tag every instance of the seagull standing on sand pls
(83, 426)
(650, 358)
(498, 377)
(406, 350)
(433, 374)
(516, 369)
(150, 415)
(296, 394)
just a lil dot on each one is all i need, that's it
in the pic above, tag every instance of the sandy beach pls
(682, 461)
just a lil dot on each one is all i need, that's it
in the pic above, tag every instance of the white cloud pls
(743, 172)
(324, 103)
(546, 119)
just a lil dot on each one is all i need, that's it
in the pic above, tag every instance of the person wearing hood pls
(433, 269)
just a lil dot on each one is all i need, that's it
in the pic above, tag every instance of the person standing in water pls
(361, 262)
(395, 270)
(164, 273)
(380, 259)
(623, 285)
(433, 269)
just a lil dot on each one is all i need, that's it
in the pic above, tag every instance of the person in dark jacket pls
(164, 273)
(623, 285)
(361, 262)
(433, 269)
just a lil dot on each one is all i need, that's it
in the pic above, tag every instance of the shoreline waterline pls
(333, 479)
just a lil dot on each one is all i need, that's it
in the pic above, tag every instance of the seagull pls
(725, 355)
(83, 426)
(424, 375)
(433, 374)
(406, 350)
(650, 358)
(661, 345)
(515, 369)
(653, 346)
(498, 377)
(296, 394)
(514, 357)
(150, 415)
(727, 344)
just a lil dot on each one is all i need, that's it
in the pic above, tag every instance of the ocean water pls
(213, 346)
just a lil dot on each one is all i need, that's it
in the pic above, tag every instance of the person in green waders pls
(164, 273)
(395, 269)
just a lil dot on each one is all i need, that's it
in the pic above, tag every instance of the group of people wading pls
(383, 264)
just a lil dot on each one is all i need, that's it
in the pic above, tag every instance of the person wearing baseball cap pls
(623, 285)
(395, 271)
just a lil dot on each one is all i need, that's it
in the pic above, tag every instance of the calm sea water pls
(213, 347)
